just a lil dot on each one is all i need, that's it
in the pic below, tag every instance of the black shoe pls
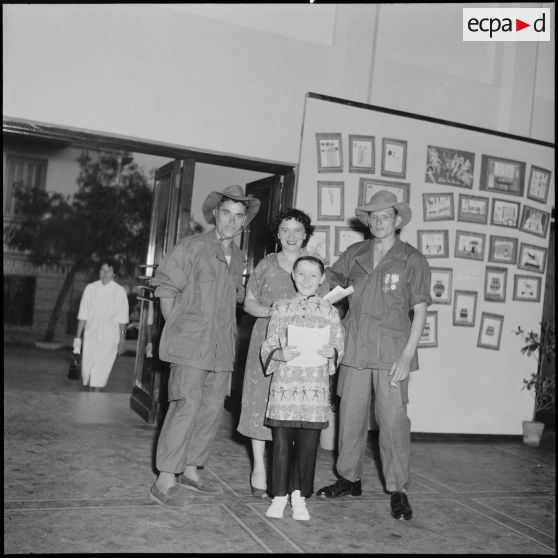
(400, 507)
(341, 487)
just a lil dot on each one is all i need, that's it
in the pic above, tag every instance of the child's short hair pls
(312, 259)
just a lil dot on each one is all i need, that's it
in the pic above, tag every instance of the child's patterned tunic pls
(299, 396)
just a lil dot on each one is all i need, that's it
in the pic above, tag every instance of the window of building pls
(22, 170)
(19, 299)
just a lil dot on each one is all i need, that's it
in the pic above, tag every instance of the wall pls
(460, 387)
(233, 80)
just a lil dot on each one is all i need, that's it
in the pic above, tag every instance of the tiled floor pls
(78, 466)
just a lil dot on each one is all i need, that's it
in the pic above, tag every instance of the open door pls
(170, 218)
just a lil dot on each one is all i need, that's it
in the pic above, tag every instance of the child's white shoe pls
(277, 507)
(298, 503)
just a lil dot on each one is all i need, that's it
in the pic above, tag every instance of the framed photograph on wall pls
(464, 308)
(472, 209)
(345, 236)
(362, 154)
(539, 184)
(330, 152)
(469, 245)
(331, 201)
(527, 288)
(394, 157)
(449, 166)
(433, 244)
(490, 331)
(429, 337)
(440, 285)
(495, 282)
(505, 213)
(437, 207)
(531, 258)
(367, 187)
(319, 243)
(534, 221)
(502, 249)
(502, 175)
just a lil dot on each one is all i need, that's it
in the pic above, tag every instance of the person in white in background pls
(102, 318)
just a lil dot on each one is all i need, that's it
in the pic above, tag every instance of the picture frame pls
(495, 283)
(331, 200)
(362, 154)
(330, 152)
(505, 213)
(527, 288)
(502, 175)
(464, 308)
(345, 236)
(539, 184)
(438, 207)
(470, 245)
(490, 331)
(440, 285)
(472, 209)
(433, 243)
(534, 221)
(429, 337)
(532, 258)
(394, 157)
(452, 167)
(319, 242)
(367, 187)
(502, 249)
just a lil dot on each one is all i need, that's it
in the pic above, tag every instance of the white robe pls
(104, 308)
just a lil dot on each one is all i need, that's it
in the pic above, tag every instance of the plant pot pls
(328, 436)
(532, 433)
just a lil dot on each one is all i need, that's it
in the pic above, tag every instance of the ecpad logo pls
(506, 24)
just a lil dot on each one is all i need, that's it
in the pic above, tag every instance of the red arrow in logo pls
(519, 25)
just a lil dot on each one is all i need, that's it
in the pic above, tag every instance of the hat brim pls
(213, 199)
(403, 210)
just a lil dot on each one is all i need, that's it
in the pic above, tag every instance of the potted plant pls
(543, 347)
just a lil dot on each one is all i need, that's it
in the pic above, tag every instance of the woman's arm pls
(254, 308)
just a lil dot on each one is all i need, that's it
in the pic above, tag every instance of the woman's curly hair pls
(299, 216)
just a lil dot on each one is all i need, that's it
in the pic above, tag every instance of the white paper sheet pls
(308, 340)
(338, 293)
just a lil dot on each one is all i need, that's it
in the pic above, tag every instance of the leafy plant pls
(543, 347)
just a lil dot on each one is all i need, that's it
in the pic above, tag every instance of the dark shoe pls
(198, 486)
(400, 507)
(260, 493)
(340, 488)
(173, 498)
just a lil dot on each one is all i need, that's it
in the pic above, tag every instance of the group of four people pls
(199, 283)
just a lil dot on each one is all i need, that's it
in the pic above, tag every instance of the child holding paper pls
(298, 404)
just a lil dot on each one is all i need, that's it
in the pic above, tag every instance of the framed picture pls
(345, 236)
(469, 245)
(490, 331)
(330, 152)
(495, 281)
(539, 183)
(527, 288)
(331, 204)
(502, 175)
(464, 308)
(534, 221)
(505, 213)
(472, 209)
(440, 285)
(502, 249)
(319, 243)
(367, 187)
(433, 244)
(437, 207)
(531, 258)
(394, 157)
(449, 166)
(429, 337)
(362, 154)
